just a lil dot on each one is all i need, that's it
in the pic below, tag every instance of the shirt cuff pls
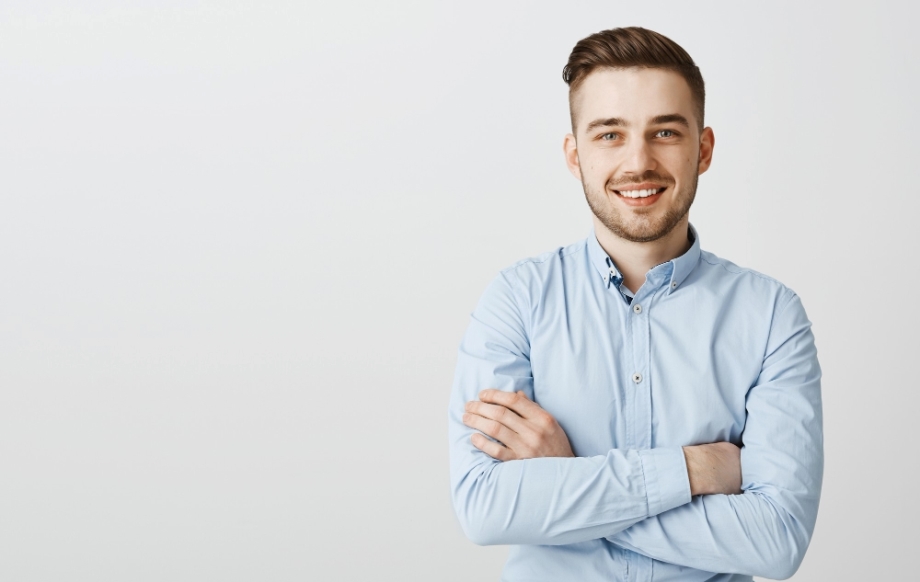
(667, 484)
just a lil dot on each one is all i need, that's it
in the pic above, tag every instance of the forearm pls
(565, 500)
(745, 534)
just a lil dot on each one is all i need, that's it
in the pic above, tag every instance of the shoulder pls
(546, 265)
(524, 282)
(727, 277)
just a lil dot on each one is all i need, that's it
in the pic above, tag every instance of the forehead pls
(635, 95)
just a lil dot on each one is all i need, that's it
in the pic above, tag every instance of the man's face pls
(637, 149)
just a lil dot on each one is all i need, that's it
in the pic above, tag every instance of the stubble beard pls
(644, 227)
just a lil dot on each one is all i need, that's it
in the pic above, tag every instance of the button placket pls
(640, 324)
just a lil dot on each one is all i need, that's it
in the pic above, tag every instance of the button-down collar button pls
(674, 285)
(637, 308)
(637, 377)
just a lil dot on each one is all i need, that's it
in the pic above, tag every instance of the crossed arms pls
(521, 429)
(663, 503)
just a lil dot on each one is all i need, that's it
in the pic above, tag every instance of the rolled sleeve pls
(667, 483)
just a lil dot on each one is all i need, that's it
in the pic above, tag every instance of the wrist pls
(694, 474)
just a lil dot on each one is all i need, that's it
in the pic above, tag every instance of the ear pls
(570, 149)
(707, 143)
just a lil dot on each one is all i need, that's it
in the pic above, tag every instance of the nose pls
(638, 158)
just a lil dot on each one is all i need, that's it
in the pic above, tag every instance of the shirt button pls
(674, 285)
(637, 308)
(637, 377)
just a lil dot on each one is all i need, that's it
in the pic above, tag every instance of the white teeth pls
(638, 193)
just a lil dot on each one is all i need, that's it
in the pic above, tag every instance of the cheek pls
(599, 165)
(680, 165)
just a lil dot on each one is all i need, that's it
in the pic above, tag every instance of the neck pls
(635, 259)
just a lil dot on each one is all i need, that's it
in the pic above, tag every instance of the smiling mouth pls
(644, 193)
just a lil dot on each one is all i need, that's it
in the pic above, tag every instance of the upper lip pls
(642, 186)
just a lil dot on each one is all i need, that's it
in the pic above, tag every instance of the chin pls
(642, 236)
(643, 231)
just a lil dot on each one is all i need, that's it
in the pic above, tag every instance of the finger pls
(491, 448)
(516, 401)
(498, 413)
(492, 428)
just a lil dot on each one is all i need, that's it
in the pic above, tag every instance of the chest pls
(668, 369)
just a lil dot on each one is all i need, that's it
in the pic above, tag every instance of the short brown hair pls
(620, 48)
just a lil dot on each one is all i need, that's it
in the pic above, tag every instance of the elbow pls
(787, 565)
(481, 536)
(478, 528)
(477, 512)
(782, 569)
(784, 551)
(784, 561)
(476, 523)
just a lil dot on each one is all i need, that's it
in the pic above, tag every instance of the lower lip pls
(647, 201)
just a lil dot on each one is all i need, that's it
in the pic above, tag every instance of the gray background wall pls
(239, 243)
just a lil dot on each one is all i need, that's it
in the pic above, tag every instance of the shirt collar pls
(681, 266)
(684, 264)
(598, 256)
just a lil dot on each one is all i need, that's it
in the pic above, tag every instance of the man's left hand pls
(524, 430)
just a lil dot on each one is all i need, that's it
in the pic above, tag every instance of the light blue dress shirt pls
(705, 351)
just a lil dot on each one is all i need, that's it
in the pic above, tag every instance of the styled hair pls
(620, 48)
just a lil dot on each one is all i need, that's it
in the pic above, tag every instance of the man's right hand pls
(714, 468)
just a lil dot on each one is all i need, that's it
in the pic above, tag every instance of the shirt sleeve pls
(766, 530)
(546, 500)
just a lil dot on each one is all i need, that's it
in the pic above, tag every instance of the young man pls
(653, 412)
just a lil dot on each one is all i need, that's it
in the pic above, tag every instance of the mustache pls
(648, 176)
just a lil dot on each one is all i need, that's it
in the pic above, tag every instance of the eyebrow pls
(671, 118)
(609, 122)
(657, 120)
